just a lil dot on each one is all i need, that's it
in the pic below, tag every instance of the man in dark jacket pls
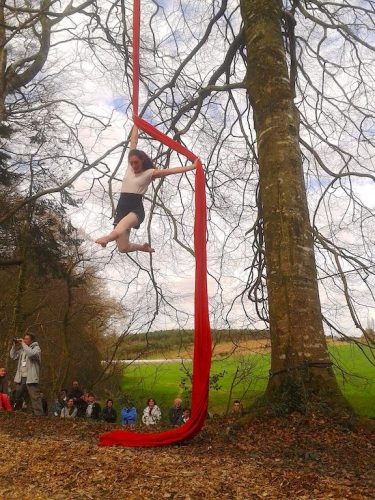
(175, 413)
(81, 405)
(93, 409)
(28, 354)
(109, 414)
(75, 391)
(60, 403)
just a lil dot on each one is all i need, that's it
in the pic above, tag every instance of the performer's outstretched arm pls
(176, 170)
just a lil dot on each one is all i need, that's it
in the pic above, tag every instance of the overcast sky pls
(173, 267)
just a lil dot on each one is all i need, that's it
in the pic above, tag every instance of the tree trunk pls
(18, 323)
(300, 363)
(3, 62)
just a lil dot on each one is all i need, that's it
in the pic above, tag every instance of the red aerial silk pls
(202, 338)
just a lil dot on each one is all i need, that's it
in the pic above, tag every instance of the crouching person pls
(93, 409)
(4, 391)
(28, 354)
(109, 414)
(69, 411)
(128, 415)
(151, 414)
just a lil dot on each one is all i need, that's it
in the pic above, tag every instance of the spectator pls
(28, 354)
(4, 390)
(109, 414)
(75, 391)
(184, 417)
(151, 414)
(59, 403)
(237, 409)
(82, 404)
(128, 415)
(69, 411)
(93, 409)
(175, 413)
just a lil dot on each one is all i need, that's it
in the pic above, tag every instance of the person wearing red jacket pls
(4, 390)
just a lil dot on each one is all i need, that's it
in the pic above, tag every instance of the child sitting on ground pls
(184, 417)
(4, 390)
(128, 415)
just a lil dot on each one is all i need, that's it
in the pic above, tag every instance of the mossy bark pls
(300, 364)
(3, 62)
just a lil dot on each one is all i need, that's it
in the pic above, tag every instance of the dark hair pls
(90, 394)
(31, 335)
(145, 159)
(108, 400)
(237, 401)
(151, 399)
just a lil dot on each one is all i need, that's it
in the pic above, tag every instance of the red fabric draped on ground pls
(202, 337)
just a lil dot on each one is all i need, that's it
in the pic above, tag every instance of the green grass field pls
(245, 378)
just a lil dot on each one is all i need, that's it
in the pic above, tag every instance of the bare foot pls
(102, 241)
(146, 248)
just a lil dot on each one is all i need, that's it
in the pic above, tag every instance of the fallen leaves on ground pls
(296, 457)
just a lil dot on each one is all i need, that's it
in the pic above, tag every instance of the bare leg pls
(104, 240)
(124, 245)
(121, 234)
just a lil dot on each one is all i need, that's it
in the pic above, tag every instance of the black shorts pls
(130, 202)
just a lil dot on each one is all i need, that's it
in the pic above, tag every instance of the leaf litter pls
(297, 457)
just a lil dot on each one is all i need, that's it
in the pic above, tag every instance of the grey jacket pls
(33, 359)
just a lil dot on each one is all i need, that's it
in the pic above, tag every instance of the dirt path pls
(43, 458)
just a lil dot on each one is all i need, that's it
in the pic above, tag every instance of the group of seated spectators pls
(178, 415)
(76, 403)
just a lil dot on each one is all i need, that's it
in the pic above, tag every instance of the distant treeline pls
(165, 341)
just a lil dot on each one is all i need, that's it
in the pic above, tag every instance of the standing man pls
(28, 353)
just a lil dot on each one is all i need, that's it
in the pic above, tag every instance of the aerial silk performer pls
(130, 212)
(202, 337)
